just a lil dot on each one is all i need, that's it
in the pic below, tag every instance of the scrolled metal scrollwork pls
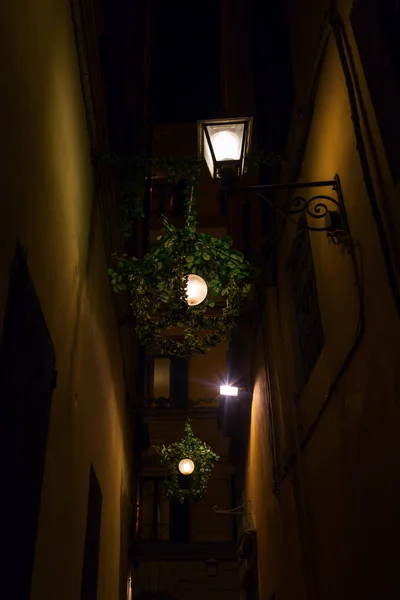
(327, 213)
(317, 207)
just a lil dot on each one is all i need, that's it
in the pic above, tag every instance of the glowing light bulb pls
(186, 466)
(226, 146)
(228, 390)
(196, 290)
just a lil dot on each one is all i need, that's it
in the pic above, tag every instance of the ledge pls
(170, 414)
(172, 551)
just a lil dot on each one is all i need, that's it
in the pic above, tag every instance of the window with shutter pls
(307, 317)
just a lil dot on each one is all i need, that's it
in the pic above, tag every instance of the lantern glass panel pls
(207, 154)
(226, 140)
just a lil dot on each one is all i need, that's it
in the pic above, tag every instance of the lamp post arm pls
(288, 186)
(322, 212)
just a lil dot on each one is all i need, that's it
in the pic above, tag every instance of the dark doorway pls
(27, 378)
(90, 569)
(180, 515)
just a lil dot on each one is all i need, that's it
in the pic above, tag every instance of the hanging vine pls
(157, 283)
(203, 457)
(135, 170)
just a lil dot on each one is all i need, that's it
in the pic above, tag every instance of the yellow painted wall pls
(337, 525)
(47, 204)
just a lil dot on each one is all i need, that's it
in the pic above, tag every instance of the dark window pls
(90, 569)
(125, 509)
(160, 518)
(307, 315)
(27, 378)
(179, 382)
(180, 513)
(167, 380)
(376, 26)
(185, 77)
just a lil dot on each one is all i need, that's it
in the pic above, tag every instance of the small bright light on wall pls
(186, 466)
(196, 290)
(228, 390)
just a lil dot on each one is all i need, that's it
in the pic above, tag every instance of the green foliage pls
(204, 460)
(157, 287)
(135, 171)
(157, 283)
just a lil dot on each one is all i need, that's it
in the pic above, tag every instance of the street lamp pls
(228, 390)
(224, 145)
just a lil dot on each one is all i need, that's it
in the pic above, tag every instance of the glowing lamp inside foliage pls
(186, 466)
(196, 290)
(228, 390)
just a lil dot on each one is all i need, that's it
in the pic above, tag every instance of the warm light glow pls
(226, 146)
(228, 390)
(186, 466)
(196, 290)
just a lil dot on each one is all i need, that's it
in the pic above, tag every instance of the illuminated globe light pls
(196, 290)
(226, 146)
(186, 466)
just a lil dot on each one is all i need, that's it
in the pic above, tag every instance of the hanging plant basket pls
(203, 457)
(157, 287)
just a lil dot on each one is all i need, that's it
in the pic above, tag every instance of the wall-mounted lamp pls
(228, 390)
(212, 567)
(224, 145)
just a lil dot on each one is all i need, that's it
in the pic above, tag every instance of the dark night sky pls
(185, 60)
(185, 65)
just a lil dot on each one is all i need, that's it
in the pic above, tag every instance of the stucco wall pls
(47, 203)
(337, 524)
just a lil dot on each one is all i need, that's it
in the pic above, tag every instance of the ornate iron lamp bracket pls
(320, 212)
